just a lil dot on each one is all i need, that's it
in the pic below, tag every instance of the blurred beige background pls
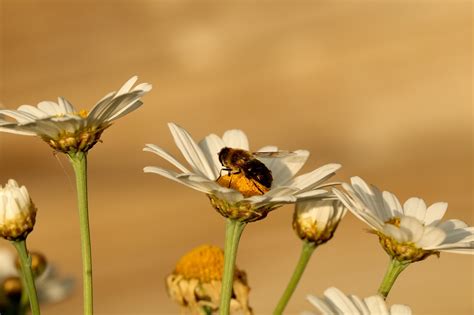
(385, 88)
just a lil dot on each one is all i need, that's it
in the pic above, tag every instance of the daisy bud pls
(17, 212)
(316, 220)
(196, 282)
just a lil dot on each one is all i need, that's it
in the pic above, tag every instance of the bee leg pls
(258, 188)
(220, 172)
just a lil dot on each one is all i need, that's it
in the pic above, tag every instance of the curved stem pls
(79, 163)
(306, 252)
(233, 231)
(27, 275)
(394, 269)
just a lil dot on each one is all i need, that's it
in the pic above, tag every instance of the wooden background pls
(383, 87)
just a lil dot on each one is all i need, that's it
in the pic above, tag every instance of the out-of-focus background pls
(384, 88)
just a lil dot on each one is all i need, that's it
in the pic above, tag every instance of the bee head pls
(222, 154)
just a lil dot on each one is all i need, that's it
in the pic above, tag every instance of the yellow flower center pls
(246, 186)
(393, 221)
(204, 263)
(82, 113)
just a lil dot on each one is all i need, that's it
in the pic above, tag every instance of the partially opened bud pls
(316, 220)
(196, 282)
(17, 212)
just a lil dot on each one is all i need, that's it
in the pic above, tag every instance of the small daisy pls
(409, 233)
(316, 220)
(335, 302)
(196, 282)
(67, 129)
(240, 201)
(17, 212)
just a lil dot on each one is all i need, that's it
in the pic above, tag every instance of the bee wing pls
(274, 154)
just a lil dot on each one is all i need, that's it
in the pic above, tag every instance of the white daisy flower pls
(50, 286)
(409, 233)
(316, 220)
(244, 200)
(67, 129)
(17, 212)
(335, 302)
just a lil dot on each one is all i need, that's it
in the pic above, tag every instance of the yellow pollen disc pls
(83, 113)
(246, 186)
(204, 263)
(394, 221)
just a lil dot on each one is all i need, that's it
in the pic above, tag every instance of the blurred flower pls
(238, 202)
(335, 302)
(409, 233)
(196, 282)
(316, 220)
(65, 128)
(17, 212)
(50, 287)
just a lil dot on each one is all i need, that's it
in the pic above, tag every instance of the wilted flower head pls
(238, 194)
(196, 282)
(17, 212)
(67, 129)
(335, 302)
(50, 287)
(409, 233)
(316, 220)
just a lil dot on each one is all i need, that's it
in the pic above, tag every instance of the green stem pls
(27, 275)
(306, 252)
(394, 269)
(79, 163)
(233, 231)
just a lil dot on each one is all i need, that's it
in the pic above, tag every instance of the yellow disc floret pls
(204, 263)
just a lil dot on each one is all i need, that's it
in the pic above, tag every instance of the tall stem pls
(394, 269)
(27, 275)
(79, 163)
(233, 231)
(306, 252)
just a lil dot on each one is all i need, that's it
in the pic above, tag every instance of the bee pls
(245, 172)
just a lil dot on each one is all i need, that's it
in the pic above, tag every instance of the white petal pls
(324, 307)
(191, 151)
(459, 235)
(284, 168)
(236, 139)
(376, 305)
(451, 225)
(435, 212)
(174, 176)
(392, 204)
(413, 227)
(51, 108)
(398, 234)
(361, 213)
(13, 128)
(33, 111)
(343, 303)
(399, 309)
(360, 305)
(65, 105)
(268, 148)
(211, 146)
(20, 116)
(310, 180)
(432, 237)
(168, 157)
(416, 208)
(127, 86)
(370, 199)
